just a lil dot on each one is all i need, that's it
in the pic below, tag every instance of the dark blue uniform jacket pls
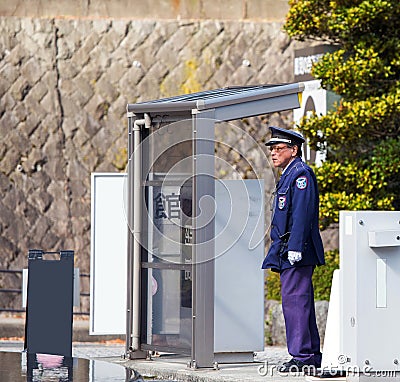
(295, 219)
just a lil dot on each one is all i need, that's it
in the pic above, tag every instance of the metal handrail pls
(10, 270)
(2, 290)
(19, 291)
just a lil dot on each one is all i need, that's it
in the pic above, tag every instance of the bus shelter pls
(179, 275)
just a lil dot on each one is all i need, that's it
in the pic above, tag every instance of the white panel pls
(239, 279)
(348, 225)
(331, 350)
(24, 286)
(389, 238)
(369, 283)
(108, 265)
(381, 300)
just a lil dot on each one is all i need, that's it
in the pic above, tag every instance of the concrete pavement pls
(165, 366)
(173, 367)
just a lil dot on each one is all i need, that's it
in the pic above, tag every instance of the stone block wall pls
(64, 86)
(266, 10)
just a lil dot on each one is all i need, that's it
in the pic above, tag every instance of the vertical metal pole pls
(134, 244)
(128, 341)
(204, 249)
(137, 229)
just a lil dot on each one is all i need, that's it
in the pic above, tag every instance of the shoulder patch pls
(301, 183)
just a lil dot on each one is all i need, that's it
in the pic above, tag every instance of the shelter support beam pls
(135, 228)
(204, 248)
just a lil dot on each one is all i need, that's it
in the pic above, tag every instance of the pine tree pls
(361, 134)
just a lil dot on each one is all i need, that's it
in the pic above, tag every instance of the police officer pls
(296, 247)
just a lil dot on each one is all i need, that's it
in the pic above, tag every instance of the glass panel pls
(166, 266)
(169, 310)
(168, 187)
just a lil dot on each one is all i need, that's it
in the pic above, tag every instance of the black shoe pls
(296, 366)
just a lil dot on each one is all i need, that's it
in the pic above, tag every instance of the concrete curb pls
(14, 327)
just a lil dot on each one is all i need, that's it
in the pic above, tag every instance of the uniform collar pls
(288, 165)
(288, 169)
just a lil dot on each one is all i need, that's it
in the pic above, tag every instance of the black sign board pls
(48, 327)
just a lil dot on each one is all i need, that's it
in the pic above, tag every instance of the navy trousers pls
(299, 312)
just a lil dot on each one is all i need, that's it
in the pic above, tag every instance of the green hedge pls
(322, 279)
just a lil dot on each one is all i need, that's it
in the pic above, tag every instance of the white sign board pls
(314, 100)
(108, 260)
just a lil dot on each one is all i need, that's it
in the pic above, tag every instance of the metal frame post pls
(135, 189)
(128, 342)
(203, 239)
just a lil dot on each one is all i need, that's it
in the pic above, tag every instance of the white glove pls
(294, 257)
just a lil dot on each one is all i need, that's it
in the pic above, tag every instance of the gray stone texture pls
(267, 10)
(275, 333)
(330, 237)
(64, 86)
